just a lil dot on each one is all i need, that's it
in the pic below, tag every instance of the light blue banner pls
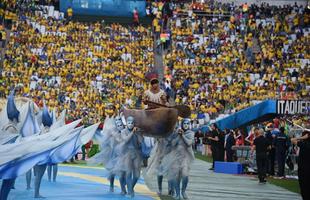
(259, 112)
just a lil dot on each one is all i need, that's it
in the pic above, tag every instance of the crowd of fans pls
(222, 65)
(218, 65)
(78, 66)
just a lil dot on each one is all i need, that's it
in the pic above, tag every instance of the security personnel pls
(281, 144)
(261, 145)
(214, 138)
(303, 164)
(272, 151)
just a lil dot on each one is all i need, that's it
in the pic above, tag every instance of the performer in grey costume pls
(115, 155)
(111, 145)
(176, 165)
(162, 148)
(130, 160)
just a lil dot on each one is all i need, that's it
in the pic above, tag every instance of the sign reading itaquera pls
(292, 107)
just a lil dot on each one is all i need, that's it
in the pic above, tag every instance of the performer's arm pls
(126, 138)
(145, 98)
(188, 138)
(163, 99)
(174, 139)
(118, 138)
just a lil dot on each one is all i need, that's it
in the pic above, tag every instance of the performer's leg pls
(5, 188)
(122, 181)
(112, 176)
(135, 178)
(184, 186)
(170, 188)
(129, 183)
(40, 169)
(49, 172)
(55, 171)
(28, 179)
(160, 184)
(177, 183)
(136, 172)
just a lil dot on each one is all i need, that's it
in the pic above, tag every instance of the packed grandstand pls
(222, 59)
(235, 66)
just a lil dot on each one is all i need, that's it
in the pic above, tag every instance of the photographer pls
(303, 163)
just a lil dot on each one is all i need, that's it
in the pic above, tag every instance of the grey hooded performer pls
(177, 163)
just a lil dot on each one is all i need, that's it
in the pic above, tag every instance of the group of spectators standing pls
(275, 146)
(276, 134)
(269, 146)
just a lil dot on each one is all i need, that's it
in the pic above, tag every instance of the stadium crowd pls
(257, 51)
(77, 66)
(222, 65)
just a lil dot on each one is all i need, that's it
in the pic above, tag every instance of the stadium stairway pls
(8, 33)
(256, 47)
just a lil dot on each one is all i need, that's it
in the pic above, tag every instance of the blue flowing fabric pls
(20, 166)
(64, 151)
(12, 111)
(30, 126)
(47, 120)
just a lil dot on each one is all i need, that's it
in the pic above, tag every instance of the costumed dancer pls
(54, 168)
(110, 145)
(177, 163)
(13, 115)
(39, 170)
(115, 155)
(130, 161)
(162, 148)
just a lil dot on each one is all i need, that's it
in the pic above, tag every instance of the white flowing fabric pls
(181, 156)
(22, 105)
(88, 133)
(33, 153)
(66, 150)
(55, 133)
(60, 121)
(22, 146)
(162, 148)
(7, 137)
(106, 141)
(30, 124)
